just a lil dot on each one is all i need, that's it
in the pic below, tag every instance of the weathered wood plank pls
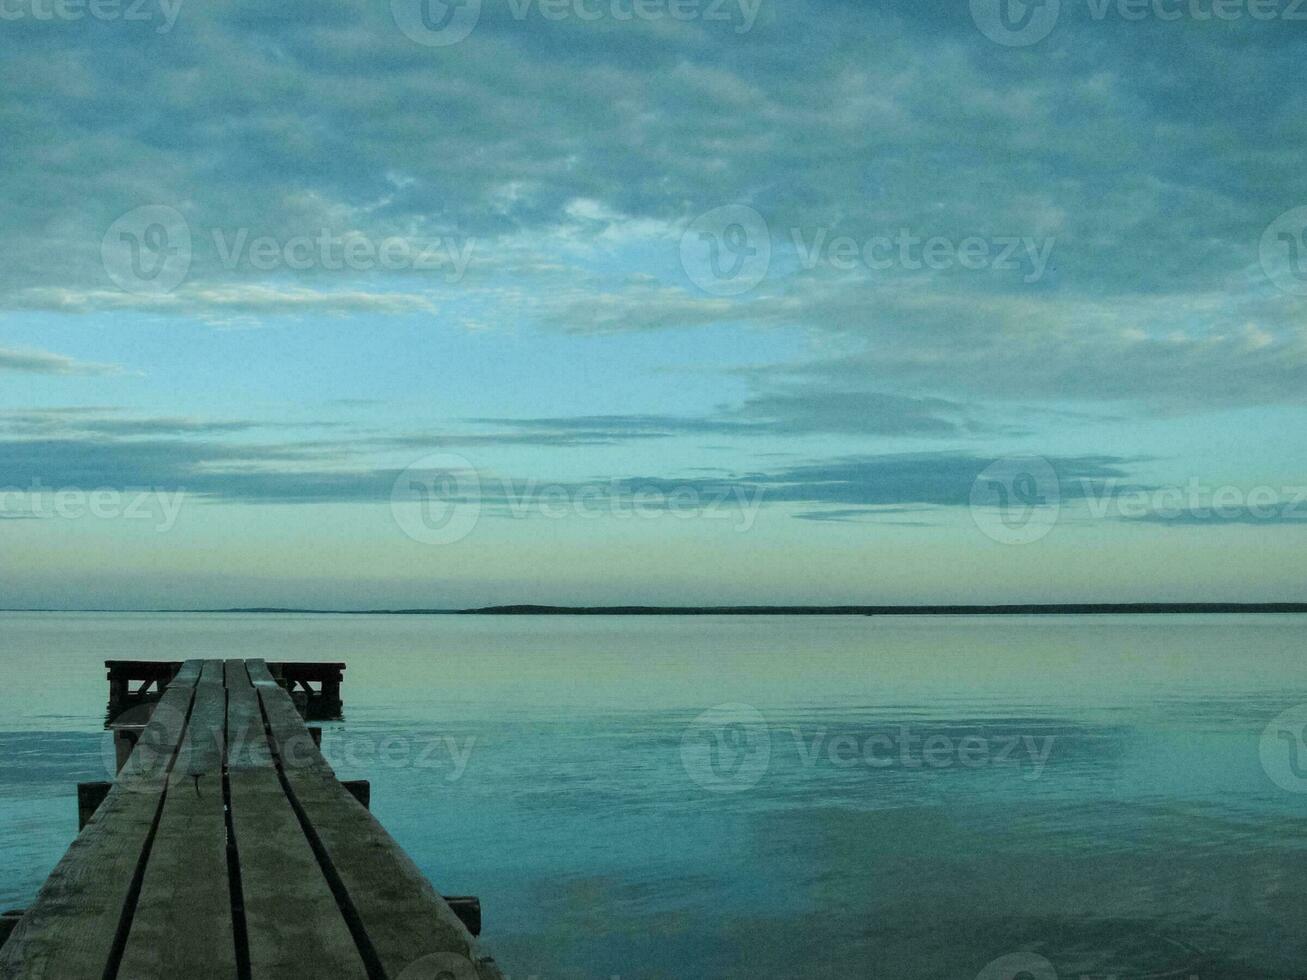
(404, 919)
(71, 929)
(183, 922)
(294, 926)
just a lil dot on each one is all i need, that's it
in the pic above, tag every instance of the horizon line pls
(955, 609)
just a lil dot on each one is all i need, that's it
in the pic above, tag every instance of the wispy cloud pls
(44, 362)
(789, 411)
(222, 302)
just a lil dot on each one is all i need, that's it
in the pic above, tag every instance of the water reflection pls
(936, 795)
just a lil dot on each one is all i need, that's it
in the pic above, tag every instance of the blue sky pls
(766, 301)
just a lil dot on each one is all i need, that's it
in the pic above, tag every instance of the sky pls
(374, 305)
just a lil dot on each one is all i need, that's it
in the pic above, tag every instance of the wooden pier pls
(226, 848)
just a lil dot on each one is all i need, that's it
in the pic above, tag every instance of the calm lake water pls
(792, 797)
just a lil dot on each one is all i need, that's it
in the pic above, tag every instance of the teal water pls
(794, 797)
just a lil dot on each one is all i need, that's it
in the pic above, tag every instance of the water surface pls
(795, 797)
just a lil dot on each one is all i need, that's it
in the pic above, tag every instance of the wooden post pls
(361, 790)
(468, 910)
(89, 798)
(8, 922)
(125, 738)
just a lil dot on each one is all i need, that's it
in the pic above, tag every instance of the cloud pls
(221, 302)
(199, 462)
(1158, 353)
(106, 422)
(924, 479)
(862, 515)
(919, 489)
(794, 411)
(43, 362)
(1281, 515)
(544, 143)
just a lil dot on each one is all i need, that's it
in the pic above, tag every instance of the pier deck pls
(226, 848)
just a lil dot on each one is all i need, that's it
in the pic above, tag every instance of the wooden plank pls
(71, 929)
(182, 926)
(405, 921)
(294, 926)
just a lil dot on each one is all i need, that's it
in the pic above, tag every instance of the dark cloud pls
(324, 473)
(927, 479)
(862, 515)
(1285, 514)
(794, 411)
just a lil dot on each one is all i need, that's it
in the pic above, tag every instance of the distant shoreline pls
(1019, 609)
